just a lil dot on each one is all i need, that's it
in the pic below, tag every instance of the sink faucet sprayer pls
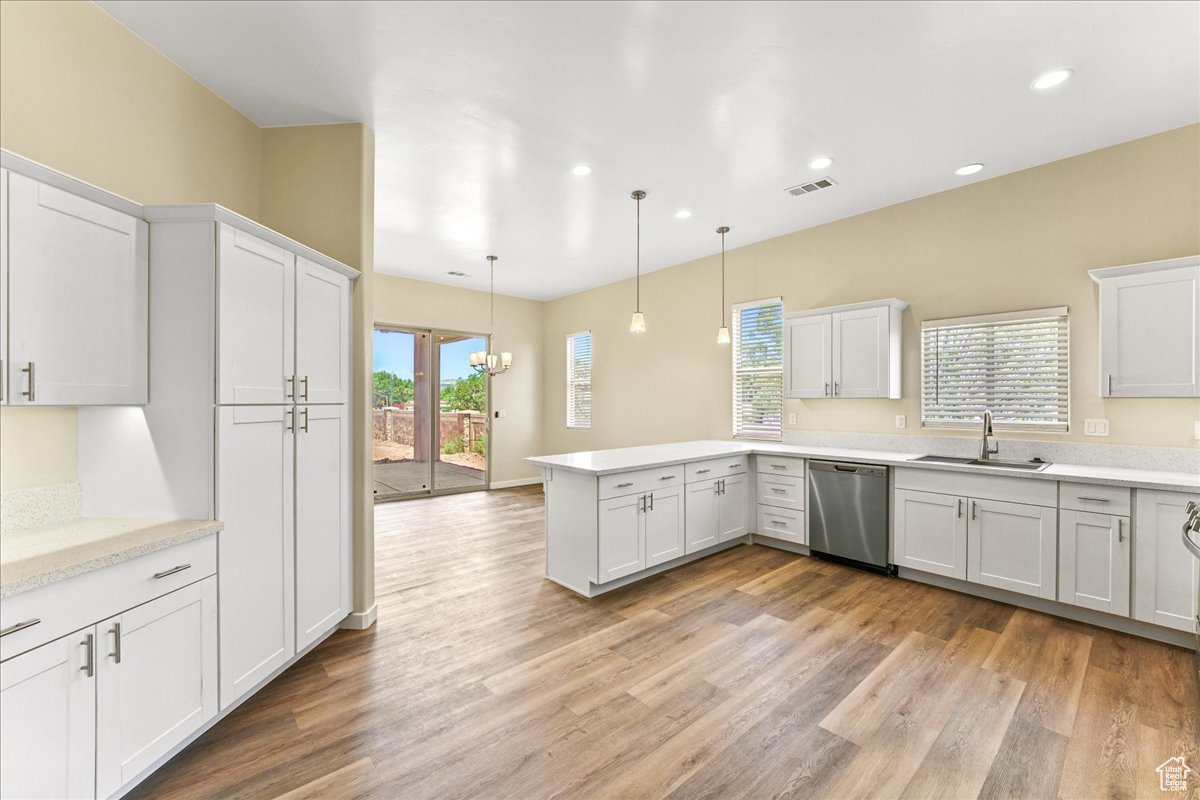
(985, 452)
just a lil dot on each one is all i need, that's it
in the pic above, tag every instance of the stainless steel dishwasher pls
(848, 509)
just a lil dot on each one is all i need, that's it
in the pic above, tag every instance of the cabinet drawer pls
(782, 491)
(781, 523)
(642, 480)
(1113, 500)
(83, 600)
(780, 465)
(715, 468)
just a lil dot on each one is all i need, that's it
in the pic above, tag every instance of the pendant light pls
(638, 323)
(482, 361)
(723, 331)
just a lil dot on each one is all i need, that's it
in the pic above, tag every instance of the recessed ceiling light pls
(581, 170)
(969, 169)
(682, 213)
(1048, 80)
(820, 163)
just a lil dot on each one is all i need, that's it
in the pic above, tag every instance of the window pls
(579, 380)
(758, 369)
(1013, 364)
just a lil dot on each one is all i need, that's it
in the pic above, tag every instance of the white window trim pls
(991, 319)
(571, 383)
(735, 323)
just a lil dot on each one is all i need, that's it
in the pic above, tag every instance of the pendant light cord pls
(638, 252)
(722, 278)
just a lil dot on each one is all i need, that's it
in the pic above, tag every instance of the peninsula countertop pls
(45, 554)
(606, 462)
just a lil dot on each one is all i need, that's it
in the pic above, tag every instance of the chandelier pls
(482, 361)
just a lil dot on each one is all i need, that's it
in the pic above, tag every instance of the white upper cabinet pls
(256, 323)
(322, 334)
(3, 287)
(844, 352)
(76, 292)
(1150, 329)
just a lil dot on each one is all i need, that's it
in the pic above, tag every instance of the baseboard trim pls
(360, 620)
(514, 483)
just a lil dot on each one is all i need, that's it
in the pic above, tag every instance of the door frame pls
(435, 369)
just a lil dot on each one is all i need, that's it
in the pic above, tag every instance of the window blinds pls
(1014, 364)
(758, 369)
(579, 380)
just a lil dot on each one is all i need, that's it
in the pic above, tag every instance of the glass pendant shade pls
(722, 335)
(506, 360)
(723, 331)
(638, 323)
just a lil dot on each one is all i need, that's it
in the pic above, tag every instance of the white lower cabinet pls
(733, 508)
(931, 533)
(663, 519)
(48, 721)
(1013, 546)
(156, 681)
(1093, 561)
(1167, 576)
(622, 538)
(700, 525)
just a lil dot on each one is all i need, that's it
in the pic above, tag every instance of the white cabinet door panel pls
(808, 349)
(622, 543)
(256, 326)
(3, 287)
(700, 511)
(48, 722)
(322, 521)
(663, 520)
(1166, 574)
(256, 558)
(733, 508)
(322, 334)
(930, 533)
(1013, 546)
(164, 687)
(78, 294)
(1093, 561)
(1150, 334)
(861, 352)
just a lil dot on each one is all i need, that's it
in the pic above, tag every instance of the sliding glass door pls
(430, 413)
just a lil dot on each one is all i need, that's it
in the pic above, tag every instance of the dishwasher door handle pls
(840, 468)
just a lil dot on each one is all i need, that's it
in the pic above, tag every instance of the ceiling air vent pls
(809, 188)
(456, 274)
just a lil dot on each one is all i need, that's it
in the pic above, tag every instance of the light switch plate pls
(499, 413)
(1095, 427)
(901, 421)
(791, 418)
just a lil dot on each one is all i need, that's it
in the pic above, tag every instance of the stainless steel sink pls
(1031, 466)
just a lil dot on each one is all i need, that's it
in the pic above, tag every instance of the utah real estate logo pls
(1173, 775)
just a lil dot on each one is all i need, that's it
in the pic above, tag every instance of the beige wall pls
(399, 301)
(1024, 240)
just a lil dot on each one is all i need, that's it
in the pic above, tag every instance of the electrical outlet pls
(901, 421)
(792, 418)
(1095, 427)
(499, 413)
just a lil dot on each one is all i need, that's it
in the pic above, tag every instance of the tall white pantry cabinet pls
(248, 422)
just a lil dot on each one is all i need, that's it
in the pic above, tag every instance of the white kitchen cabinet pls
(733, 508)
(1093, 561)
(718, 510)
(663, 519)
(255, 319)
(1166, 575)
(48, 721)
(76, 293)
(156, 681)
(1013, 546)
(700, 515)
(850, 351)
(930, 533)
(808, 341)
(1150, 329)
(322, 520)
(256, 550)
(322, 334)
(621, 537)
(3, 287)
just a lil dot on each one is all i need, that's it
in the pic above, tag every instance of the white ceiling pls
(481, 109)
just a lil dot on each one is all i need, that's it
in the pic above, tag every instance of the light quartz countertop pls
(44, 554)
(606, 462)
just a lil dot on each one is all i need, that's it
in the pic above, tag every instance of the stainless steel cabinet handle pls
(734, 466)
(778, 491)
(1110, 383)
(89, 664)
(642, 503)
(172, 571)
(1095, 499)
(305, 412)
(20, 626)
(651, 495)
(304, 381)
(779, 466)
(960, 508)
(779, 522)
(116, 632)
(291, 420)
(835, 389)
(623, 485)
(291, 386)
(29, 392)
(702, 471)
(974, 506)
(827, 388)
(667, 478)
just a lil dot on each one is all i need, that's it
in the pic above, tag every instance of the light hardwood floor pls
(750, 674)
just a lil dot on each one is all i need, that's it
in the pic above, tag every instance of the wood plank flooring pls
(754, 673)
